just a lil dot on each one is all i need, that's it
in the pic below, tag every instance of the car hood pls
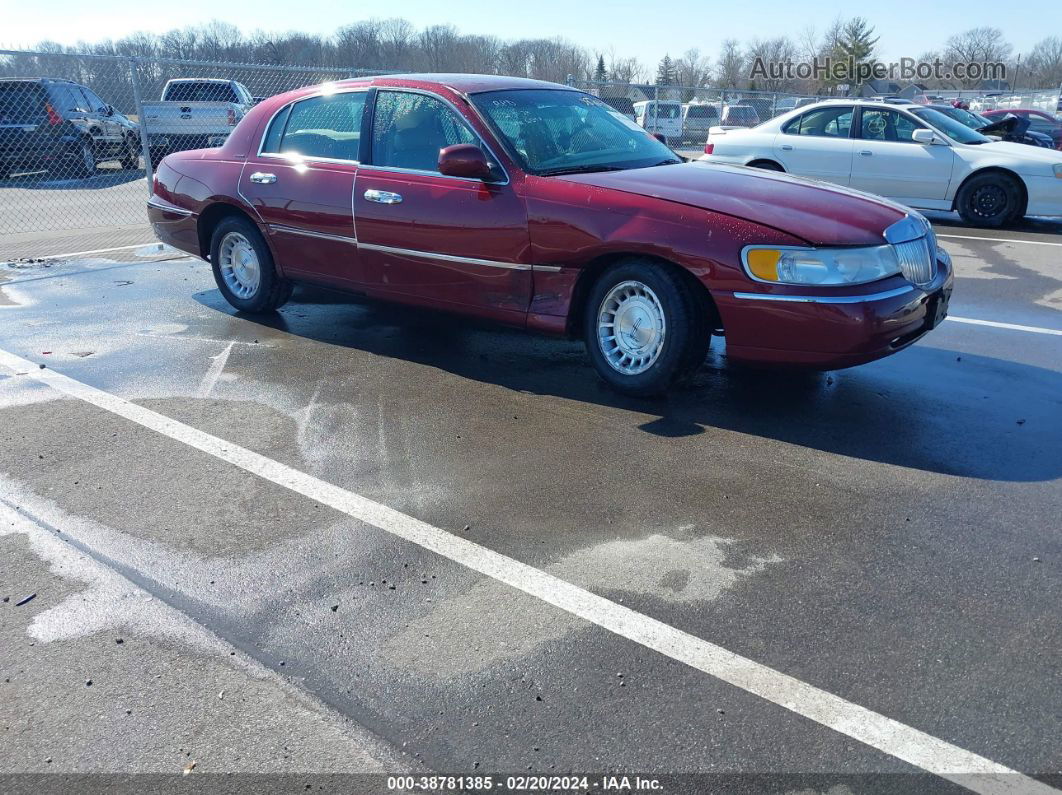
(816, 212)
(1033, 154)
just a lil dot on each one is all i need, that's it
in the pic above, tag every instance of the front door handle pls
(866, 153)
(383, 197)
(262, 178)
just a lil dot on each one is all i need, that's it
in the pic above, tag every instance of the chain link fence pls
(79, 135)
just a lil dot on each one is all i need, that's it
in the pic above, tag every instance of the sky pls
(907, 28)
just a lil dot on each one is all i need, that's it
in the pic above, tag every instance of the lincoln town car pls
(540, 206)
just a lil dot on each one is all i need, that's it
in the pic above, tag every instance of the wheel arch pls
(213, 215)
(757, 161)
(1002, 170)
(592, 270)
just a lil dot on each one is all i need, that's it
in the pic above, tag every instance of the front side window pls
(410, 129)
(887, 125)
(554, 131)
(320, 127)
(823, 122)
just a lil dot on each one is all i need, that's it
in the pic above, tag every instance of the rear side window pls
(21, 102)
(319, 127)
(824, 122)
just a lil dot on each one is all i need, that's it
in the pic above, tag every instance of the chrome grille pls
(917, 260)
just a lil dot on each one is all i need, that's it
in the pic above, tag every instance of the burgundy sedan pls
(540, 206)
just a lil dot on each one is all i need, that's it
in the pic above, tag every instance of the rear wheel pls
(645, 327)
(243, 268)
(84, 159)
(989, 200)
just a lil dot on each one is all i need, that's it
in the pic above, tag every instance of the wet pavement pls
(889, 534)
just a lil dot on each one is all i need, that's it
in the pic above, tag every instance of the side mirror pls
(109, 110)
(464, 160)
(925, 137)
(660, 137)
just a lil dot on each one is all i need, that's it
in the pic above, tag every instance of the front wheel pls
(131, 155)
(243, 268)
(645, 327)
(989, 200)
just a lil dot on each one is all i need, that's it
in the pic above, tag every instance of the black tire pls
(687, 330)
(989, 200)
(83, 161)
(131, 154)
(766, 165)
(271, 292)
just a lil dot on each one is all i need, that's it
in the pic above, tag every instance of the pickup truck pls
(194, 113)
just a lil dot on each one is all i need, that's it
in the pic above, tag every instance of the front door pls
(435, 240)
(301, 185)
(888, 162)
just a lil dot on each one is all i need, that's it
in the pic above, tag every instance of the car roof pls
(38, 80)
(200, 80)
(461, 83)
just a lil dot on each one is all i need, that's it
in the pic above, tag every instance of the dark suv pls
(63, 127)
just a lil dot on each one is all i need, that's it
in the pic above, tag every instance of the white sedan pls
(911, 154)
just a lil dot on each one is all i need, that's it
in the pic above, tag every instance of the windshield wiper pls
(553, 172)
(669, 162)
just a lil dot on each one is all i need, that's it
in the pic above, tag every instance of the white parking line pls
(102, 251)
(1001, 240)
(1011, 326)
(885, 734)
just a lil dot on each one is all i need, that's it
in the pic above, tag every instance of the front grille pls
(917, 260)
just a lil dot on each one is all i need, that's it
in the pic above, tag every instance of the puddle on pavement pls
(465, 632)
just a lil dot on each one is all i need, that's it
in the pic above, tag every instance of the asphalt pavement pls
(411, 542)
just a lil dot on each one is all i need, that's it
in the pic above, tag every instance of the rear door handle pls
(787, 148)
(866, 153)
(383, 196)
(263, 178)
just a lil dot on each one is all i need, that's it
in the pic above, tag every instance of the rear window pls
(701, 112)
(201, 92)
(20, 102)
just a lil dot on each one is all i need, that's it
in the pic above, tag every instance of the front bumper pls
(829, 330)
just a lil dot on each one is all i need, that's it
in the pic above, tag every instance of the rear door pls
(431, 239)
(888, 162)
(818, 144)
(301, 184)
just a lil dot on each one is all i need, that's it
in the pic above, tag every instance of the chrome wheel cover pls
(631, 328)
(238, 264)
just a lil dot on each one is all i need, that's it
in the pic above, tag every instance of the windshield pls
(971, 120)
(553, 131)
(955, 130)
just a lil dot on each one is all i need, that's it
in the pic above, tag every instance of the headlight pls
(825, 266)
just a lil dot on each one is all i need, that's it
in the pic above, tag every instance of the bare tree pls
(770, 51)
(977, 45)
(1044, 63)
(730, 66)
(693, 69)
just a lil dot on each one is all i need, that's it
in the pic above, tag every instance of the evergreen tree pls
(666, 73)
(600, 74)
